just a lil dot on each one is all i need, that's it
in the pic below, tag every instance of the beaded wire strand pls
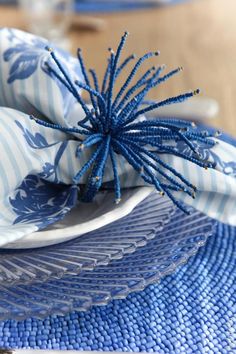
(112, 128)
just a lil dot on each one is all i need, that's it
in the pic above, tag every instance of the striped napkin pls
(39, 161)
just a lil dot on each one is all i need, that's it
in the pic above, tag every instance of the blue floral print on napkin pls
(38, 141)
(42, 202)
(27, 53)
(35, 141)
(38, 200)
(228, 168)
(25, 59)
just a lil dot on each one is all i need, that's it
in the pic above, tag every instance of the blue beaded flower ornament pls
(112, 126)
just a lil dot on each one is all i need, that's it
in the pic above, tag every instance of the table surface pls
(199, 35)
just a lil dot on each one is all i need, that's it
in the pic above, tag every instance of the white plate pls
(84, 218)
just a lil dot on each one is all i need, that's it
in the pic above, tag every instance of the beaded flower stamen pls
(112, 126)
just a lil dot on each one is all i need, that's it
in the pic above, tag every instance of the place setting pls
(100, 196)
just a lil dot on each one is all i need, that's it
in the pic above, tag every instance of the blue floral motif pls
(228, 168)
(25, 57)
(25, 63)
(38, 141)
(28, 53)
(49, 169)
(201, 149)
(41, 202)
(38, 200)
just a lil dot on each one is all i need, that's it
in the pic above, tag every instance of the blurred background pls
(199, 35)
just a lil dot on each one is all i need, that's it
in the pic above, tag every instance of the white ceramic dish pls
(84, 218)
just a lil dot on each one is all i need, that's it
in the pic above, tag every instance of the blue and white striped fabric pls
(25, 83)
(38, 163)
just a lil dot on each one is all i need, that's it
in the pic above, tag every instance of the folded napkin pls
(55, 148)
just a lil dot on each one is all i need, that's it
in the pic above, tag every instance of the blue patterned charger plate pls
(125, 257)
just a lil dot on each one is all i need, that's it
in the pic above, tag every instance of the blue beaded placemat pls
(191, 311)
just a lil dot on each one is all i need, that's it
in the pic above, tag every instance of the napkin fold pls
(44, 165)
(26, 83)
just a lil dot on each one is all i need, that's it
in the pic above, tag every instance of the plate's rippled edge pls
(86, 252)
(180, 239)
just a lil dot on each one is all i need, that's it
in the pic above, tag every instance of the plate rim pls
(46, 238)
(141, 285)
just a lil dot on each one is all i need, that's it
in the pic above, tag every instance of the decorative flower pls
(113, 126)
